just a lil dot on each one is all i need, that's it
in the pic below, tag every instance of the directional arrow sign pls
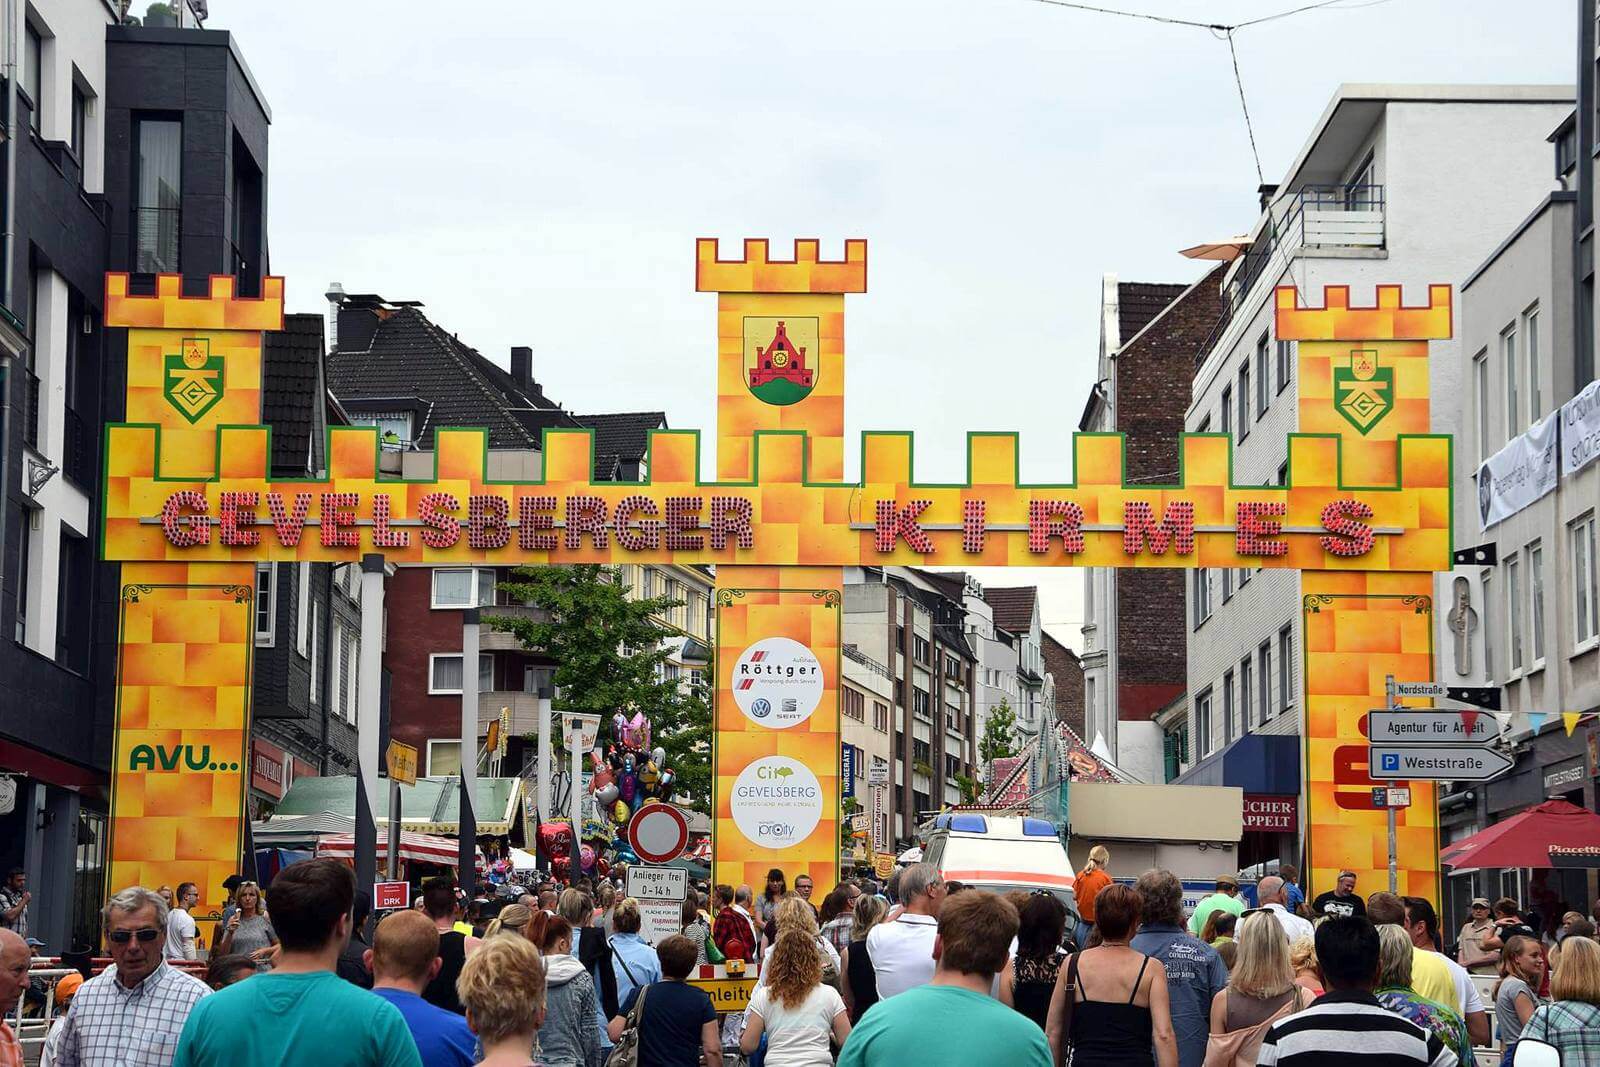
(1457, 763)
(1421, 689)
(1388, 726)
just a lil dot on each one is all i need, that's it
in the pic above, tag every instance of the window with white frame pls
(1480, 380)
(1530, 355)
(336, 669)
(1227, 708)
(1263, 374)
(444, 758)
(1286, 668)
(1244, 400)
(1534, 554)
(1515, 608)
(462, 587)
(302, 608)
(266, 604)
(1227, 584)
(444, 673)
(1202, 724)
(1246, 683)
(1508, 355)
(1264, 670)
(1584, 629)
(1226, 417)
(316, 660)
(1285, 363)
(1201, 582)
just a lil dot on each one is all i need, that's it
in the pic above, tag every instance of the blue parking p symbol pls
(1389, 761)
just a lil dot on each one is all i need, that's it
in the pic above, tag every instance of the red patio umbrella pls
(1524, 840)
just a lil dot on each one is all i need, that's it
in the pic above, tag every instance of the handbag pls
(1239, 1048)
(625, 1053)
(713, 953)
(1063, 1049)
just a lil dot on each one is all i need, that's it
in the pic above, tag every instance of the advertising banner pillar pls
(1364, 383)
(780, 366)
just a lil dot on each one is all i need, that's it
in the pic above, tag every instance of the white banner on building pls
(1519, 473)
(1580, 430)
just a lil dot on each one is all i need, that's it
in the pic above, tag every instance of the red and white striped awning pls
(425, 848)
(701, 850)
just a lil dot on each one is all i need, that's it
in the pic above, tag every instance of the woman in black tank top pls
(1029, 979)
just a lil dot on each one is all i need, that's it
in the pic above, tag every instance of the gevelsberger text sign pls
(463, 516)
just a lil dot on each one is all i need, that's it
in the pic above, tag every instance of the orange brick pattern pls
(811, 523)
(804, 604)
(1359, 628)
(183, 716)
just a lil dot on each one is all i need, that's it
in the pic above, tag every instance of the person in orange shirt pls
(1091, 880)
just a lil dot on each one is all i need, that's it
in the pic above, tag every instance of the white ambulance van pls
(1000, 853)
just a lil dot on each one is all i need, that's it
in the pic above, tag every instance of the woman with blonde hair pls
(502, 989)
(1093, 878)
(1572, 1019)
(1395, 993)
(794, 1009)
(1260, 991)
(513, 920)
(1307, 973)
(855, 964)
(1516, 995)
(248, 931)
(794, 913)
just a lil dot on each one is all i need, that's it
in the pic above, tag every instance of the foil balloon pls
(607, 795)
(629, 784)
(587, 858)
(625, 853)
(659, 756)
(598, 757)
(602, 777)
(649, 774)
(628, 762)
(668, 776)
(620, 811)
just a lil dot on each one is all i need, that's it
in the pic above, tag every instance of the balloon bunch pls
(628, 774)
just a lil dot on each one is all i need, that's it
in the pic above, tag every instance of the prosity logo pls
(777, 682)
(776, 802)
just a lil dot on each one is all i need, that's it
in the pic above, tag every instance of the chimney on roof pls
(334, 294)
(522, 373)
(357, 321)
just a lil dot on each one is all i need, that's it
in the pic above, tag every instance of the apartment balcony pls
(1318, 220)
(492, 640)
(525, 710)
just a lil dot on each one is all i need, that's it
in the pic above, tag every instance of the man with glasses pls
(132, 1013)
(180, 924)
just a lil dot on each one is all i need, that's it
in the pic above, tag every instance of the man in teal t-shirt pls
(952, 1021)
(301, 1011)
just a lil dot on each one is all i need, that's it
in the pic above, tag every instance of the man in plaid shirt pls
(130, 1015)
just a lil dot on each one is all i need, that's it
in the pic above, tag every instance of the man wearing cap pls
(1226, 898)
(1471, 954)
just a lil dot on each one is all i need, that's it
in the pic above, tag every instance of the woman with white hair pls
(1395, 993)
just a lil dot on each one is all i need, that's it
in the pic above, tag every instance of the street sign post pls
(1436, 763)
(401, 759)
(657, 883)
(1421, 689)
(1391, 797)
(1483, 696)
(1429, 727)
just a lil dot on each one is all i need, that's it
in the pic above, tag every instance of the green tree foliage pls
(968, 787)
(609, 652)
(999, 734)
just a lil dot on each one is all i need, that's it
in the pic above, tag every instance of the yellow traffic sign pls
(727, 994)
(401, 759)
(883, 864)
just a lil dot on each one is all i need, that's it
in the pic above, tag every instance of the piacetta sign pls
(190, 507)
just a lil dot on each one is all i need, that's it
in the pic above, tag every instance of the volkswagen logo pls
(761, 707)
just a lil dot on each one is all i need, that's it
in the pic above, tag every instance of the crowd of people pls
(872, 976)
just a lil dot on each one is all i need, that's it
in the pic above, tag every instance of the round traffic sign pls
(658, 833)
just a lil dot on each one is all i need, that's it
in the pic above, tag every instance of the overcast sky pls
(537, 174)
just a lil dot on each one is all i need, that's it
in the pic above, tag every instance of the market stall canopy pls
(1524, 840)
(432, 806)
(522, 860)
(423, 848)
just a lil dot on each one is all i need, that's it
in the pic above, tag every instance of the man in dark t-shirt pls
(1340, 902)
(678, 1021)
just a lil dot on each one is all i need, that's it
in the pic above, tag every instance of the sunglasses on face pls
(144, 934)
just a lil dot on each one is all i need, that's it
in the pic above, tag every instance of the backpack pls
(625, 1053)
(1239, 1048)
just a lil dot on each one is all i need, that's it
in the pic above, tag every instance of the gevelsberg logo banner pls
(777, 736)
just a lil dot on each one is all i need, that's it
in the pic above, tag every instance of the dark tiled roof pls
(290, 386)
(623, 437)
(1139, 302)
(1012, 606)
(411, 357)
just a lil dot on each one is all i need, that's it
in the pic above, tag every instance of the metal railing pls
(1318, 216)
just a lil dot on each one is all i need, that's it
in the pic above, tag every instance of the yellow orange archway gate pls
(190, 508)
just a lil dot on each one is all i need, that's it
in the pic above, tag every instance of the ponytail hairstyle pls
(1099, 858)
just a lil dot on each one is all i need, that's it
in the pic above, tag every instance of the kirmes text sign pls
(188, 500)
